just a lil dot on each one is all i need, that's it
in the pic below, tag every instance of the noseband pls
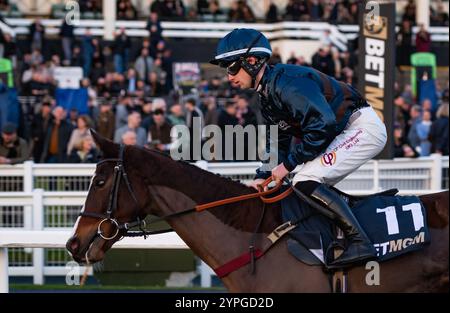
(108, 217)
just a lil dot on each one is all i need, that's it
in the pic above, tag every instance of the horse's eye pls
(100, 182)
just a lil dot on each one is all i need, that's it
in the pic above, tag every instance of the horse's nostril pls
(73, 244)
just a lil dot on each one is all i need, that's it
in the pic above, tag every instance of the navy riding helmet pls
(237, 45)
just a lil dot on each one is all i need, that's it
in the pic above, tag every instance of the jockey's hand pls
(256, 182)
(279, 172)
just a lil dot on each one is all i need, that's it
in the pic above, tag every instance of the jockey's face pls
(242, 78)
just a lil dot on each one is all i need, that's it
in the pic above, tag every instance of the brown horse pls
(163, 186)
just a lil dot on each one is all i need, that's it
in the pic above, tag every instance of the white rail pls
(58, 239)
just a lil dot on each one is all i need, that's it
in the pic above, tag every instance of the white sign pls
(68, 77)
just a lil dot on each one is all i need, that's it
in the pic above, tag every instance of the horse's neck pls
(206, 234)
(212, 235)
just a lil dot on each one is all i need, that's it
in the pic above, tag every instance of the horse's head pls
(111, 206)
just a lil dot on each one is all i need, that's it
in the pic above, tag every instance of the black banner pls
(377, 62)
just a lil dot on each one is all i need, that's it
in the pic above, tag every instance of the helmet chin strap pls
(253, 69)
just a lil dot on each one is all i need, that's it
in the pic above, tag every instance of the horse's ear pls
(109, 148)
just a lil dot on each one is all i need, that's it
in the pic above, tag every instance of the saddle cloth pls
(395, 224)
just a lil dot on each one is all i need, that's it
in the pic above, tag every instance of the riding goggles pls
(234, 67)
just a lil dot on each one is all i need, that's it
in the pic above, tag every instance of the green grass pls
(107, 287)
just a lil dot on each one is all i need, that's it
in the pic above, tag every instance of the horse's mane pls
(194, 181)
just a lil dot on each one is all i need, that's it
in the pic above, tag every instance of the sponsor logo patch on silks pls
(328, 159)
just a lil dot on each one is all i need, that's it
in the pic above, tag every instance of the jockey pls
(338, 131)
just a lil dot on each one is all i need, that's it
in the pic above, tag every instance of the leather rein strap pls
(260, 194)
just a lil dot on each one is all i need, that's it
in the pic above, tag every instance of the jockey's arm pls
(308, 105)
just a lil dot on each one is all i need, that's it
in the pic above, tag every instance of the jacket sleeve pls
(308, 106)
(283, 141)
(23, 153)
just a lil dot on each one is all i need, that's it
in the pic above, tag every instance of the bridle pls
(120, 174)
(108, 217)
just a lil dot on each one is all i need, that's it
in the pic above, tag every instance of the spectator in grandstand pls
(4, 5)
(439, 17)
(39, 125)
(56, 138)
(325, 38)
(157, 68)
(158, 51)
(247, 13)
(413, 117)
(403, 109)
(129, 138)
(155, 84)
(37, 35)
(410, 12)
(203, 7)
(404, 36)
(67, 37)
(131, 81)
(296, 10)
(8, 48)
(144, 64)
(142, 90)
(134, 122)
(315, 10)
(167, 67)
(37, 57)
(77, 57)
(106, 121)
(176, 115)
(212, 113)
(84, 152)
(427, 105)
(275, 58)
(126, 10)
(272, 13)
(192, 111)
(13, 149)
(410, 128)
(158, 136)
(41, 82)
(121, 50)
(176, 9)
(227, 117)
(154, 28)
(123, 108)
(402, 149)
(423, 40)
(439, 132)
(98, 56)
(214, 8)
(343, 15)
(240, 12)
(423, 131)
(323, 61)
(89, 5)
(87, 52)
(244, 113)
(84, 123)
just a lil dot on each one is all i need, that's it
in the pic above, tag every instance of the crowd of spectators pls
(131, 98)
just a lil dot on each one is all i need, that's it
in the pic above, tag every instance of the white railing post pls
(202, 164)
(28, 176)
(205, 275)
(436, 172)
(4, 278)
(376, 176)
(38, 224)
